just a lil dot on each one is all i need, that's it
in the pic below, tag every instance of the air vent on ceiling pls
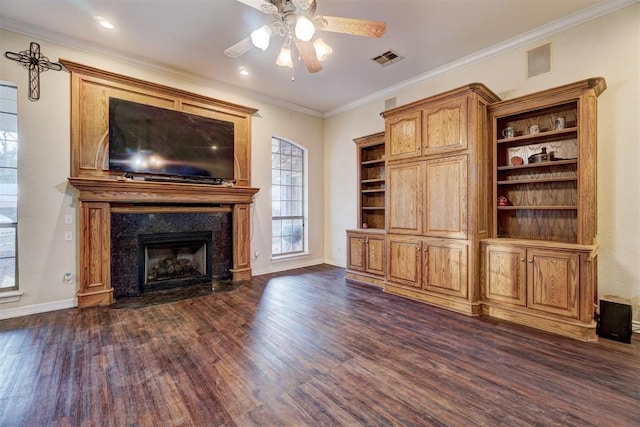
(387, 58)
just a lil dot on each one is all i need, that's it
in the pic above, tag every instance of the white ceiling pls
(189, 37)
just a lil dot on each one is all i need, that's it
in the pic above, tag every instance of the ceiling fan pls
(297, 23)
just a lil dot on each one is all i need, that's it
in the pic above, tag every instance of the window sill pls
(10, 296)
(276, 258)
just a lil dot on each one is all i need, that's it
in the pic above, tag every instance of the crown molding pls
(113, 54)
(588, 14)
(596, 11)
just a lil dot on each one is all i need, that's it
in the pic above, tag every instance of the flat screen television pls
(150, 140)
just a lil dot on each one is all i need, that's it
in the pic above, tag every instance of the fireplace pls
(157, 251)
(173, 260)
(113, 212)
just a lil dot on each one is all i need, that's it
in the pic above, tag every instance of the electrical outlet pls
(68, 236)
(256, 254)
(68, 219)
(67, 278)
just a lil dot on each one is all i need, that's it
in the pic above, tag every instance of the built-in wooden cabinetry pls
(490, 206)
(365, 245)
(539, 268)
(365, 256)
(438, 197)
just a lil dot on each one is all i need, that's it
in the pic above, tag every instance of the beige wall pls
(608, 47)
(45, 197)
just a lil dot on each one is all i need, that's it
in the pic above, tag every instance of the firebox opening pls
(174, 260)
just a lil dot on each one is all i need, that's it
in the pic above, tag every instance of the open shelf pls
(534, 181)
(513, 208)
(371, 181)
(539, 165)
(542, 197)
(540, 137)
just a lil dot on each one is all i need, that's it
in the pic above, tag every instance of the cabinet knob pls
(521, 259)
(530, 261)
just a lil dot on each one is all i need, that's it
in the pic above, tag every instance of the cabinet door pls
(375, 255)
(403, 135)
(355, 252)
(444, 268)
(444, 127)
(505, 274)
(446, 198)
(404, 262)
(552, 281)
(405, 198)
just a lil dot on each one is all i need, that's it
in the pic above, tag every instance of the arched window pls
(287, 198)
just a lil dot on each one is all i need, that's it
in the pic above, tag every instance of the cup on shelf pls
(533, 129)
(559, 123)
(508, 132)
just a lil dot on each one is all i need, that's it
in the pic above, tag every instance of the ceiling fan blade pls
(308, 55)
(356, 27)
(239, 48)
(261, 5)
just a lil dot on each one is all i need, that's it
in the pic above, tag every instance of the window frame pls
(300, 198)
(9, 106)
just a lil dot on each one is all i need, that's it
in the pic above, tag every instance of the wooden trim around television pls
(90, 92)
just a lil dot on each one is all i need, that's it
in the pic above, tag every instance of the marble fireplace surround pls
(99, 198)
(204, 234)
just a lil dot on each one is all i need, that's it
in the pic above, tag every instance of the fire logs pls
(173, 268)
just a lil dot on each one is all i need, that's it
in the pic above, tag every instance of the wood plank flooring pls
(305, 347)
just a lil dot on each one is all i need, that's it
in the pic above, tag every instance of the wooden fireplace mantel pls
(98, 197)
(102, 191)
(111, 190)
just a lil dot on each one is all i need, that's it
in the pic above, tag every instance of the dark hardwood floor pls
(305, 347)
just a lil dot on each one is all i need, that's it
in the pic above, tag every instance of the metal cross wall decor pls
(36, 63)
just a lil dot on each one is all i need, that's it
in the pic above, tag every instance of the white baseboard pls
(336, 263)
(37, 308)
(635, 326)
(284, 265)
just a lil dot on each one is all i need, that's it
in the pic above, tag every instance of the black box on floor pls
(614, 321)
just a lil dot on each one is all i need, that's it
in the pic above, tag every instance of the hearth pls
(172, 260)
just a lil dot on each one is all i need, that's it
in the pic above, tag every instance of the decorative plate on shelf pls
(517, 160)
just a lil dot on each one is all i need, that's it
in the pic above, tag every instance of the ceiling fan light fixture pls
(323, 50)
(284, 57)
(260, 37)
(302, 4)
(304, 28)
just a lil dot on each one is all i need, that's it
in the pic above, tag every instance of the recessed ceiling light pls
(104, 23)
(243, 71)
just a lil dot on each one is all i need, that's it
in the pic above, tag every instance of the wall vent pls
(390, 103)
(539, 60)
(387, 58)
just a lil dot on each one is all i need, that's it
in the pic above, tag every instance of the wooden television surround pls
(101, 192)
